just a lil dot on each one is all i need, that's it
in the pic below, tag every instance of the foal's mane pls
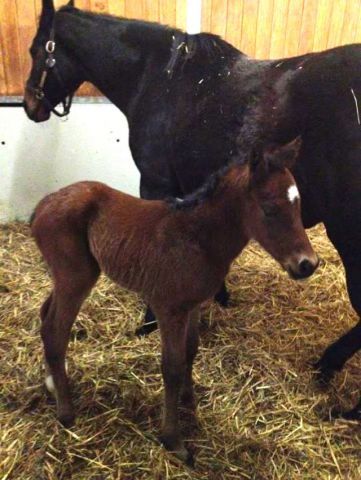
(203, 193)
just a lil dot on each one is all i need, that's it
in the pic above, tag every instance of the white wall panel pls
(36, 159)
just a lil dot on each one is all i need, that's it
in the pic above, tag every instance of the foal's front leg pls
(174, 365)
(187, 394)
(150, 323)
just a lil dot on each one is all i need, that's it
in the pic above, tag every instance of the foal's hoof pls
(178, 450)
(323, 375)
(67, 419)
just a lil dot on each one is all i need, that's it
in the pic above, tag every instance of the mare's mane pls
(202, 48)
(181, 45)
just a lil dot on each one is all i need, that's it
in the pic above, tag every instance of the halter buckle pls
(39, 94)
(50, 62)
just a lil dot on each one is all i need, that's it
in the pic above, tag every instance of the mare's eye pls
(270, 210)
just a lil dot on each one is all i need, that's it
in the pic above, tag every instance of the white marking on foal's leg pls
(50, 385)
(293, 193)
(49, 380)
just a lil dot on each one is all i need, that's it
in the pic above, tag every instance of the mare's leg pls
(71, 286)
(150, 324)
(154, 188)
(173, 331)
(336, 355)
(222, 297)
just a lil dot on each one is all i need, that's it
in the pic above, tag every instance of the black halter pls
(50, 63)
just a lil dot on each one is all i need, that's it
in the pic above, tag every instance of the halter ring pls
(50, 46)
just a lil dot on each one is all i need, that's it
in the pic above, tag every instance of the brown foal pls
(175, 253)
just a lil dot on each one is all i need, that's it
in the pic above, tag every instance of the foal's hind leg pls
(58, 314)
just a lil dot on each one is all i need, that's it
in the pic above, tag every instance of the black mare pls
(193, 102)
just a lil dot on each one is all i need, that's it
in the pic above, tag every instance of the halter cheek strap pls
(50, 63)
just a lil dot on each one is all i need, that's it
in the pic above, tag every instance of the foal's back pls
(137, 243)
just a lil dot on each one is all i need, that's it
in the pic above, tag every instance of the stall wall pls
(260, 28)
(283, 28)
(93, 143)
(36, 159)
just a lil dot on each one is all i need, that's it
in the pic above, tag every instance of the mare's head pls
(274, 210)
(53, 76)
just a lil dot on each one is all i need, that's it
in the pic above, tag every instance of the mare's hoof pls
(323, 375)
(67, 420)
(223, 298)
(146, 329)
(353, 414)
(80, 334)
(149, 325)
(190, 460)
(178, 450)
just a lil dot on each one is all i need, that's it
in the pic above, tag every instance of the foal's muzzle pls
(302, 268)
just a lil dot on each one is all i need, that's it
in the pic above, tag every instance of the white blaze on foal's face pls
(292, 193)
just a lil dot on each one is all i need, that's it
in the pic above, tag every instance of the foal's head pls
(273, 212)
(53, 75)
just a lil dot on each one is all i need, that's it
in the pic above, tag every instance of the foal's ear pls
(71, 3)
(282, 156)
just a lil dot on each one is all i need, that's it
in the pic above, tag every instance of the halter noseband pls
(50, 63)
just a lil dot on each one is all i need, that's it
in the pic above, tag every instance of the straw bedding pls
(260, 413)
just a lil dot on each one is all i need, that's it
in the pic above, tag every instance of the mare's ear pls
(282, 156)
(47, 14)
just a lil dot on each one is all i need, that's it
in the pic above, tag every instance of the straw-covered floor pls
(260, 413)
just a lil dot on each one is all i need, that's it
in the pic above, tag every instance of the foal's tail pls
(60, 225)
(32, 218)
(70, 206)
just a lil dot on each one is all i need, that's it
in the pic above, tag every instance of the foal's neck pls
(221, 218)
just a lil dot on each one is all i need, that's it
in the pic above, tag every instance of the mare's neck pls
(220, 219)
(112, 53)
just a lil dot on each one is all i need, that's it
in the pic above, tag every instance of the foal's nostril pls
(306, 268)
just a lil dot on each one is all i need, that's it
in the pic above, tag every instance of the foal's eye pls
(270, 210)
